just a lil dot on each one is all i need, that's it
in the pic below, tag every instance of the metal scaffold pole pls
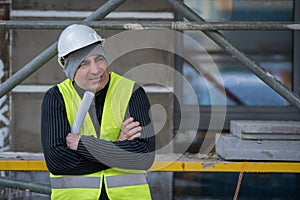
(255, 68)
(178, 25)
(51, 51)
(25, 185)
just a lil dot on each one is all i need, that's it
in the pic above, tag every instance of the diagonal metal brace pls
(255, 68)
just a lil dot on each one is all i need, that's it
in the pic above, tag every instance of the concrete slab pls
(231, 147)
(266, 130)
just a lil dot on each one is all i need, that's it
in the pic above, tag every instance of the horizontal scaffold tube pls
(177, 25)
(25, 185)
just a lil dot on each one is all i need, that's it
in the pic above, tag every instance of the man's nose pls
(95, 67)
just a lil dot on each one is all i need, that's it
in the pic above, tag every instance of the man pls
(107, 159)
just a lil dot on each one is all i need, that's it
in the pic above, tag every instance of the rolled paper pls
(83, 109)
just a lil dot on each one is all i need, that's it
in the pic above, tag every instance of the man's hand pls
(72, 140)
(130, 130)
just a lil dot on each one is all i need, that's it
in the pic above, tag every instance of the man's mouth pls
(97, 77)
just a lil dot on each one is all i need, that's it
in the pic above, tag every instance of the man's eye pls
(99, 59)
(83, 64)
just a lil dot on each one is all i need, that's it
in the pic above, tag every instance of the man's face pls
(92, 74)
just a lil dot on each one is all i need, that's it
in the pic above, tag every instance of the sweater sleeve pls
(129, 154)
(59, 158)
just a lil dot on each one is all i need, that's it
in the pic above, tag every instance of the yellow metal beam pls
(177, 166)
(23, 165)
(264, 167)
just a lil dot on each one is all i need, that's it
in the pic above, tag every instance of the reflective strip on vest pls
(126, 180)
(75, 182)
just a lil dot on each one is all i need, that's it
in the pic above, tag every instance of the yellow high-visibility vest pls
(119, 184)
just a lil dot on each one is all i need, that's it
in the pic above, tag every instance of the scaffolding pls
(195, 23)
(209, 30)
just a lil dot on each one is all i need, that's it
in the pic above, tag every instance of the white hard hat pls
(75, 37)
